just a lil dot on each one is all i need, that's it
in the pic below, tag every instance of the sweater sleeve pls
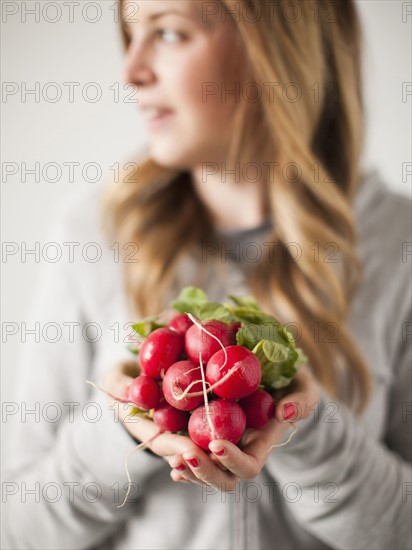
(64, 476)
(356, 491)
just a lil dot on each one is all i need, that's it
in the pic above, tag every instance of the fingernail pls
(180, 467)
(220, 452)
(289, 411)
(193, 462)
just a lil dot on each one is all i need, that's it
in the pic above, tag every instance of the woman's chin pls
(170, 158)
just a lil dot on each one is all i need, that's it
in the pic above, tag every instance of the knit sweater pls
(342, 482)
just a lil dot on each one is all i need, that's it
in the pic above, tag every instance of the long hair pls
(309, 128)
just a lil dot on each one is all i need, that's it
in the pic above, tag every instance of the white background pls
(107, 132)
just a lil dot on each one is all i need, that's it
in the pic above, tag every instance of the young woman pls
(251, 185)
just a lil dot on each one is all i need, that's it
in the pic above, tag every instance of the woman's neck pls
(233, 204)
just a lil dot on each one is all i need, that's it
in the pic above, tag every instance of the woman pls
(254, 113)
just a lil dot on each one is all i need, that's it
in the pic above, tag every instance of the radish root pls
(199, 325)
(140, 446)
(207, 409)
(183, 394)
(294, 430)
(211, 388)
(119, 399)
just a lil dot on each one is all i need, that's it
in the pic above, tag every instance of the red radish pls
(242, 372)
(180, 324)
(161, 395)
(233, 328)
(170, 419)
(144, 392)
(227, 418)
(177, 379)
(198, 341)
(259, 408)
(126, 392)
(161, 349)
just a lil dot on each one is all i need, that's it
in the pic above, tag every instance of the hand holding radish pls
(222, 471)
(246, 460)
(166, 445)
(207, 391)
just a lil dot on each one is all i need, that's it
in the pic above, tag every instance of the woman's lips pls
(156, 116)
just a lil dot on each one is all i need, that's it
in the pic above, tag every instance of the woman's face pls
(183, 60)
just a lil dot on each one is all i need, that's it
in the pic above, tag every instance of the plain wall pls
(108, 132)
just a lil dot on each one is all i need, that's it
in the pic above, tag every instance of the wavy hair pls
(316, 53)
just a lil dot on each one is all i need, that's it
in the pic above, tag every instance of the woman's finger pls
(180, 469)
(247, 461)
(240, 464)
(207, 472)
(218, 463)
(119, 377)
(175, 475)
(169, 444)
(301, 401)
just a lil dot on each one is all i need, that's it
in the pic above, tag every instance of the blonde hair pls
(321, 136)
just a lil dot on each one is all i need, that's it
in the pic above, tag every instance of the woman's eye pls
(169, 37)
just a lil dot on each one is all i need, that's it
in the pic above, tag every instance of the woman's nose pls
(137, 66)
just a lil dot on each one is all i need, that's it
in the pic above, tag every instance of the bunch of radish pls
(211, 370)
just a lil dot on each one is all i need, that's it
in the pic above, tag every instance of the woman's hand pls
(247, 460)
(222, 471)
(166, 445)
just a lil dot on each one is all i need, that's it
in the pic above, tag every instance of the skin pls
(244, 461)
(169, 59)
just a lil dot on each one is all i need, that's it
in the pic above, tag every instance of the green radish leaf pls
(148, 319)
(250, 334)
(287, 335)
(213, 310)
(269, 340)
(186, 307)
(278, 363)
(192, 294)
(153, 326)
(250, 315)
(247, 337)
(135, 410)
(276, 353)
(140, 328)
(247, 302)
(146, 326)
(189, 300)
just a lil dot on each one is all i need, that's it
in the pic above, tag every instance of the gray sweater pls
(342, 482)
